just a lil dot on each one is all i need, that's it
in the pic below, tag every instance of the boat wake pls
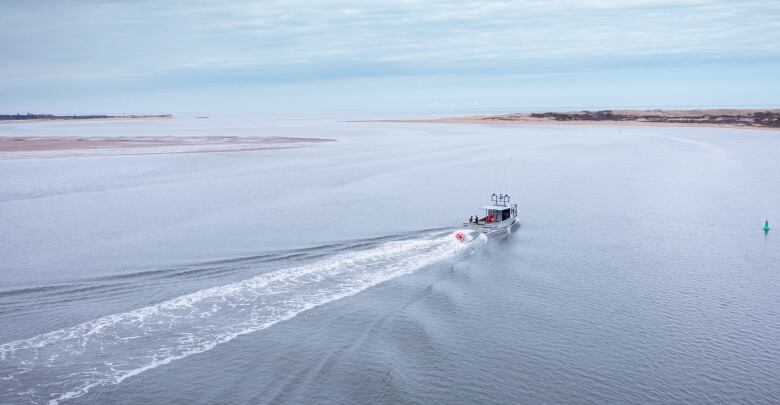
(69, 362)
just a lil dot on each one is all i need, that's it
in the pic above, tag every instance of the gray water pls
(329, 274)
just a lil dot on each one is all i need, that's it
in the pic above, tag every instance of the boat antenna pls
(493, 174)
(509, 174)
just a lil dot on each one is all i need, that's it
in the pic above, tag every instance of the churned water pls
(329, 274)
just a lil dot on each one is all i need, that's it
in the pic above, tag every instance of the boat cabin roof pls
(495, 207)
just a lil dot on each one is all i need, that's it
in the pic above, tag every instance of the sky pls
(386, 56)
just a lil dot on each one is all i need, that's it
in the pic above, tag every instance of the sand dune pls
(726, 118)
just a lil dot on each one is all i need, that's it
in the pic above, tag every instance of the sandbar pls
(34, 147)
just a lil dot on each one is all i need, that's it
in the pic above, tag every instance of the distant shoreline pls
(23, 118)
(714, 118)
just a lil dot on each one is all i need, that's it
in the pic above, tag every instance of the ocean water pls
(329, 274)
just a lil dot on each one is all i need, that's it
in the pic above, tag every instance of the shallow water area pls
(330, 274)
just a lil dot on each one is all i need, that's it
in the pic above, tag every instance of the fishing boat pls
(500, 218)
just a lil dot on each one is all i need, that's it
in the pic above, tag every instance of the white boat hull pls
(491, 230)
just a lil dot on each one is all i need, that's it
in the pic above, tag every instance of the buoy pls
(460, 235)
(766, 226)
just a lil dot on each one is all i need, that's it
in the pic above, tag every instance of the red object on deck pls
(489, 218)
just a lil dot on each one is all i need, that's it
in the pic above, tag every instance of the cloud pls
(206, 43)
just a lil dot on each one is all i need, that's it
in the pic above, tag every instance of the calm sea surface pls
(329, 274)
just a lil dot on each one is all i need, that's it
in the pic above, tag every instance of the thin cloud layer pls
(208, 43)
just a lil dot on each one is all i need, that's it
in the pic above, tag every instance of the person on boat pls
(471, 219)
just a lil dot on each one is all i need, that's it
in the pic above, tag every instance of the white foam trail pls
(67, 363)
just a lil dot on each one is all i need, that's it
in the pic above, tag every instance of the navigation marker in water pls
(766, 226)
